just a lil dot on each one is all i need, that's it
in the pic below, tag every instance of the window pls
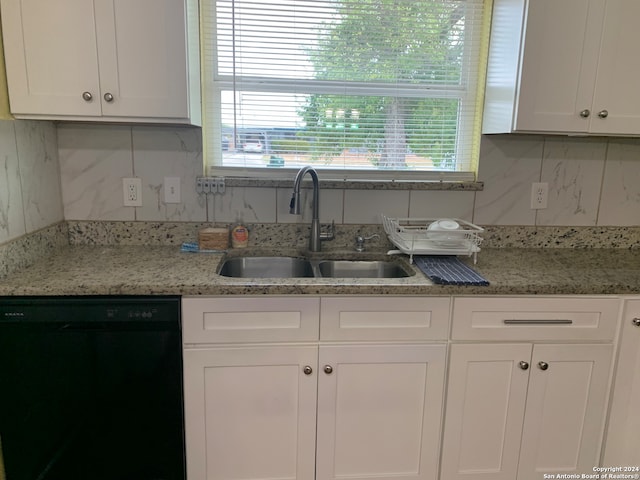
(359, 87)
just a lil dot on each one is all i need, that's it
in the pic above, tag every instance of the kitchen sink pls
(267, 267)
(296, 267)
(361, 269)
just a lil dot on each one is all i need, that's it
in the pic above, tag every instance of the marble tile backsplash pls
(93, 162)
(50, 173)
(620, 201)
(508, 167)
(30, 190)
(573, 169)
(12, 220)
(592, 182)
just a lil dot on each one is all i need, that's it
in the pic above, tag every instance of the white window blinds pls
(358, 86)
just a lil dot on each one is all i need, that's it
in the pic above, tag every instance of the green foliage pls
(286, 145)
(387, 42)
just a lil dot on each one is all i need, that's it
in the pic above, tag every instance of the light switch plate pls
(171, 189)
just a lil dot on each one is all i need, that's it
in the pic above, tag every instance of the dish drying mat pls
(448, 270)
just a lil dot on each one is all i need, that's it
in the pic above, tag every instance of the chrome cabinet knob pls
(108, 97)
(585, 113)
(328, 369)
(543, 365)
(307, 370)
(87, 96)
(636, 322)
(523, 365)
(603, 113)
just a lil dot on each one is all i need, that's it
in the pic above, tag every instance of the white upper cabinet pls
(111, 60)
(616, 91)
(563, 67)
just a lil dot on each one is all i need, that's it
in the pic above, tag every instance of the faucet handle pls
(330, 234)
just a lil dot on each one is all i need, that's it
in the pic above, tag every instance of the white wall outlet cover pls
(171, 189)
(132, 192)
(539, 195)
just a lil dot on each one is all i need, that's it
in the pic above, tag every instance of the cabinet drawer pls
(253, 319)
(525, 318)
(384, 318)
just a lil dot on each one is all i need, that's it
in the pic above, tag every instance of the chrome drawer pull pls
(538, 322)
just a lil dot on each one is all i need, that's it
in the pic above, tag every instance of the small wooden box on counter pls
(213, 238)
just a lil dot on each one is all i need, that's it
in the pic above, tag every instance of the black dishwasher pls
(91, 388)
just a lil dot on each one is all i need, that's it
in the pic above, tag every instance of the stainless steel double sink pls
(300, 267)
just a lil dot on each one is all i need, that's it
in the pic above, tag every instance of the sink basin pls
(361, 269)
(300, 267)
(267, 267)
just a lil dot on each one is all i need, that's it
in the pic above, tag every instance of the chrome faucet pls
(294, 208)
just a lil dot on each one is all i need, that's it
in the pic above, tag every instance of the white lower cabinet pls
(310, 408)
(250, 412)
(518, 411)
(379, 411)
(518, 404)
(339, 387)
(623, 431)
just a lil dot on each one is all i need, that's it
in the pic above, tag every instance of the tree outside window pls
(355, 84)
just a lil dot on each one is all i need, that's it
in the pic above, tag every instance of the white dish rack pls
(412, 237)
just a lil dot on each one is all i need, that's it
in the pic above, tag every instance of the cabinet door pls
(624, 420)
(565, 410)
(142, 50)
(618, 71)
(250, 413)
(379, 410)
(50, 53)
(486, 398)
(558, 65)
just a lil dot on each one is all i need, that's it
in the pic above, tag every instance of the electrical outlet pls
(207, 185)
(539, 195)
(132, 191)
(220, 185)
(171, 189)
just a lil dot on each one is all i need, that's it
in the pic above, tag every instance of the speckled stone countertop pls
(158, 270)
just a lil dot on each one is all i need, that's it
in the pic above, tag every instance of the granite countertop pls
(165, 270)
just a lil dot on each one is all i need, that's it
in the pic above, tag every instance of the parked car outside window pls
(252, 146)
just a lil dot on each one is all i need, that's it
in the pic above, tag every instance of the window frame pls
(214, 84)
